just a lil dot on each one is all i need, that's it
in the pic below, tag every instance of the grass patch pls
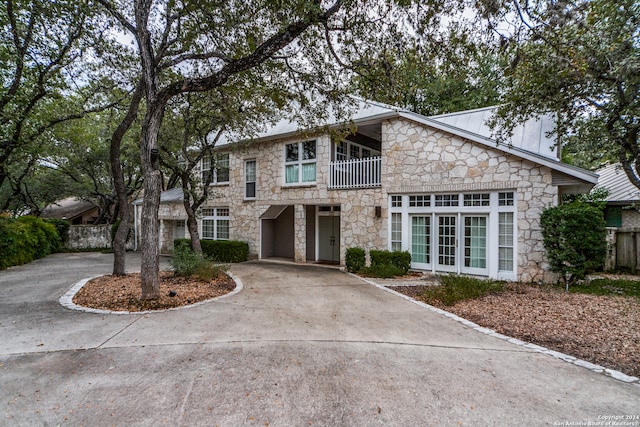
(459, 288)
(611, 287)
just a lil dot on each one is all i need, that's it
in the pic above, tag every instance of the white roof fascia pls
(576, 172)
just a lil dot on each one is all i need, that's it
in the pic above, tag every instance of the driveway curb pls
(556, 354)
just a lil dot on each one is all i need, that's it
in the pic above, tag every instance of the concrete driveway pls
(298, 346)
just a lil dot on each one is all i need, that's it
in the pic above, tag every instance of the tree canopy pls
(580, 61)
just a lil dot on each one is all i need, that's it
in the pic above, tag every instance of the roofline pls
(589, 177)
(574, 171)
(458, 113)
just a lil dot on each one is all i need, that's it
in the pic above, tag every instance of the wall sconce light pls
(378, 211)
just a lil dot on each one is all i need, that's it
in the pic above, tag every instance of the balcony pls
(355, 173)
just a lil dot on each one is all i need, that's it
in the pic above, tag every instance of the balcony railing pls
(355, 173)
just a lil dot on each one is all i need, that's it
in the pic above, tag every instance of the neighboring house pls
(622, 199)
(172, 217)
(76, 211)
(438, 187)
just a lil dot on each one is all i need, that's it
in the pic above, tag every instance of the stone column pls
(299, 234)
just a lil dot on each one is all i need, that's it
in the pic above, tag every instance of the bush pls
(219, 250)
(384, 271)
(401, 260)
(355, 259)
(574, 237)
(225, 250)
(185, 262)
(456, 288)
(62, 225)
(26, 238)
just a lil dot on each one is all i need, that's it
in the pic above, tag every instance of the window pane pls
(250, 190)
(223, 229)
(505, 241)
(250, 171)
(208, 227)
(308, 172)
(309, 150)
(475, 242)
(420, 239)
(222, 168)
(505, 199)
(291, 172)
(292, 152)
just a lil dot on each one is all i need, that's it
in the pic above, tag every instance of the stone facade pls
(415, 159)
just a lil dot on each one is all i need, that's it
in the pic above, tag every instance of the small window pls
(300, 162)
(396, 231)
(419, 201)
(215, 169)
(476, 199)
(215, 223)
(250, 179)
(505, 199)
(396, 201)
(447, 200)
(613, 216)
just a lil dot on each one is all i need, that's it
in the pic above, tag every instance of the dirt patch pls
(122, 293)
(600, 329)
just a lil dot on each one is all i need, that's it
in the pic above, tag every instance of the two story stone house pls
(438, 187)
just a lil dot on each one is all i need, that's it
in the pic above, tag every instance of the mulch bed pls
(122, 293)
(604, 330)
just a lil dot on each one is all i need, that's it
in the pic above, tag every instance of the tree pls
(44, 83)
(191, 48)
(431, 77)
(580, 61)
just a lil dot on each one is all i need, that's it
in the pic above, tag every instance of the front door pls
(475, 244)
(329, 237)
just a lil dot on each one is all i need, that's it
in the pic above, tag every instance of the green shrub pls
(355, 259)
(574, 237)
(384, 271)
(225, 250)
(456, 288)
(185, 262)
(62, 225)
(26, 238)
(219, 250)
(401, 260)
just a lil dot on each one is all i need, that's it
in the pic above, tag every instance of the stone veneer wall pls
(415, 159)
(419, 159)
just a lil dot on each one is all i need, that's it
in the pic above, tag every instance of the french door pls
(442, 246)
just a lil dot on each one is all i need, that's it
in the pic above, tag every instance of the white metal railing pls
(355, 173)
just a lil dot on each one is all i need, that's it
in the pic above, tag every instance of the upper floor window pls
(300, 162)
(347, 150)
(215, 169)
(250, 179)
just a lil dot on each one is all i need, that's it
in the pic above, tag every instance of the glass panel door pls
(475, 244)
(447, 242)
(420, 241)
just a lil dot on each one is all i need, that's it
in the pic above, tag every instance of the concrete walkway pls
(298, 346)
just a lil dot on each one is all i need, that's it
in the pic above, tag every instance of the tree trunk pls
(124, 207)
(150, 263)
(192, 226)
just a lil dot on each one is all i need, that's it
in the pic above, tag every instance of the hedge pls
(26, 238)
(355, 259)
(220, 250)
(398, 259)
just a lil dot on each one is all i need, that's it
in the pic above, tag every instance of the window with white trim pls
(396, 232)
(505, 241)
(476, 199)
(250, 179)
(447, 200)
(300, 162)
(215, 223)
(216, 167)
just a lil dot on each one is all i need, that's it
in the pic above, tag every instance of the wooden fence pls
(623, 245)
